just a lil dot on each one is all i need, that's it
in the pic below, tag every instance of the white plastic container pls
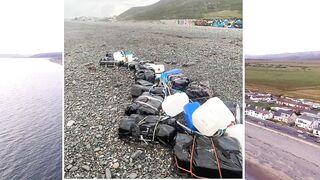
(237, 132)
(212, 116)
(158, 68)
(173, 104)
(118, 56)
(129, 57)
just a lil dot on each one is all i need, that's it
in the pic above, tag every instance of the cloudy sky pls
(32, 26)
(273, 26)
(100, 8)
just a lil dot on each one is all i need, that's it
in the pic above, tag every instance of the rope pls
(150, 97)
(192, 151)
(146, 104)
(216, 155)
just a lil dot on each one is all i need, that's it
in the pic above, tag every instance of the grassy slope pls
(300, 80)
(185, 9)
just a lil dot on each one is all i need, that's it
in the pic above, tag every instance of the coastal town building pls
(310, 113)
(316, 131)
(291, 103)
(257, 98)
(288, 117)
(307, 122)
(258, 113)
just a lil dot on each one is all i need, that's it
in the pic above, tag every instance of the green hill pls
(185, 9)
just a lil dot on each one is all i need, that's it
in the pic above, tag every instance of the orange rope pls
(216, 155)
(192, 150)
(188, 171)
(191, 158)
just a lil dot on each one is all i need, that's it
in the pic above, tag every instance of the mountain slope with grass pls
(185, 9)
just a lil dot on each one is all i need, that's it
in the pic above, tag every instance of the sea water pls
(30, 119)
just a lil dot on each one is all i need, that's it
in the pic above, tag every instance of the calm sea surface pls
(30, 119)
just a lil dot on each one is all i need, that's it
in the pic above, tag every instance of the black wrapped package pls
(142, 86)
(145, 74)
(179, 83)
(165, 134)
(230, 156)
(204, 160)
(182, 150)
(145, 104)
(147, 126)
(211, 158)
(129, 126)
(198, 92)
(143, 82)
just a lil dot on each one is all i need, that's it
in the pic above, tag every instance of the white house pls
(316, 131)
(288, 117)
(307, 122)
(258, 113)
(261, 98)
(310, 113)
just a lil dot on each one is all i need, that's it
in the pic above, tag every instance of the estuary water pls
(30, 119)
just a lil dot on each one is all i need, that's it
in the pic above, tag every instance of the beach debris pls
(70, 123)
(159, 97)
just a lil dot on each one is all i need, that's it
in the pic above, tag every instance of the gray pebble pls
(116, 165)
(86, 167)
(74, 168)
(133, 175)
(136, 154)
(108, 174)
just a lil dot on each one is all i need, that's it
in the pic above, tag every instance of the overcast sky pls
(279, 26)
(101, 8)
(31, 26)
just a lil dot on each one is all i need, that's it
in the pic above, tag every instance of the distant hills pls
(312, 55)
(55, 57)
(12, 56)
(51, 55)
(185, 9)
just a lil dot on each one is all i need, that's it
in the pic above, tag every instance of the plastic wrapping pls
(149, 127)
(145, 104)
(179, 83)
(204, 157)
(198, 92)
(145, 74)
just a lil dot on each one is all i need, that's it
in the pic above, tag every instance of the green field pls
(294, 79)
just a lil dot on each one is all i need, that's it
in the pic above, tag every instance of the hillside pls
(300, 56)
(185, 9)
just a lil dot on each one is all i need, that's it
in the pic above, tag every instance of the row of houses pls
(286, 110)
(296, 104)
(305, 120)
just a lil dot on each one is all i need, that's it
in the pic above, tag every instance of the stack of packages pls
(206, 142)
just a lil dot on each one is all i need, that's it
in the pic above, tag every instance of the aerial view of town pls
(282, 115)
